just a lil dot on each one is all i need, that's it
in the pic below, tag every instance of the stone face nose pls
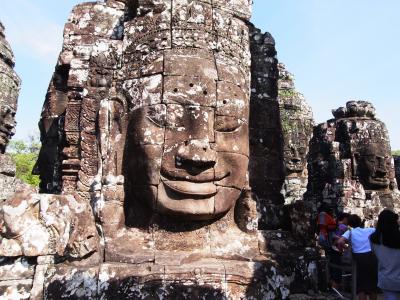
(295, 155)
(381, 166)
(9, 122)
(196, 153)
(296, 159)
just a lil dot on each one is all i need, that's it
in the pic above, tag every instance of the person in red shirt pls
(326, 226)
(326, 232)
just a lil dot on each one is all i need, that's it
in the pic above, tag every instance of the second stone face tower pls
(350, 163)
(297, 124)
(9, 90)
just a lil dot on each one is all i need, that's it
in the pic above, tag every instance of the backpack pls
(325, 236)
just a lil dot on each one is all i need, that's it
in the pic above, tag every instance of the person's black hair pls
(354, 221)
(342, 216)
(325, 208)
(387, 230)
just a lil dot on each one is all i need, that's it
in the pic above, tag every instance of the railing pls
(352, 268)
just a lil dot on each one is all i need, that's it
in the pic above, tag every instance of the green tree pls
(25, 154)
(396, 153)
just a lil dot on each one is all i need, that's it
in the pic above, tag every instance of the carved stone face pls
(374, 163)
(187, 148)
(7, 125)
(295, 157)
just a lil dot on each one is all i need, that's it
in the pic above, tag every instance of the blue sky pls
(338, 50)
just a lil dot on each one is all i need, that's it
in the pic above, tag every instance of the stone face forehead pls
(374, 149)
(241, 8)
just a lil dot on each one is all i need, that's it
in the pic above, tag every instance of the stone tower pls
(297, 126)
(162, 147)
(350, 163)
(9, 90)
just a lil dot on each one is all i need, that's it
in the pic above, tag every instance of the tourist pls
(343, 224)
(326, 233)
(326, 227)
(366, 263)
(386, 246)
(335, 255)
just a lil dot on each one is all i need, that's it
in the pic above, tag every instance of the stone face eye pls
(228, 124)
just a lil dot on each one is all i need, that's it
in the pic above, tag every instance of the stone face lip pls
(9, 90)
(190, 189)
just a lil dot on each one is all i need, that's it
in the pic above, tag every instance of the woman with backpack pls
(386, 246)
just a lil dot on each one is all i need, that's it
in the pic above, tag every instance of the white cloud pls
(30, 30)
(42, 40)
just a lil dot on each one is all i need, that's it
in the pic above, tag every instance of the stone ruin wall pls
(281, 124)
(125, 63)
(265, 165)
(120, 59)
